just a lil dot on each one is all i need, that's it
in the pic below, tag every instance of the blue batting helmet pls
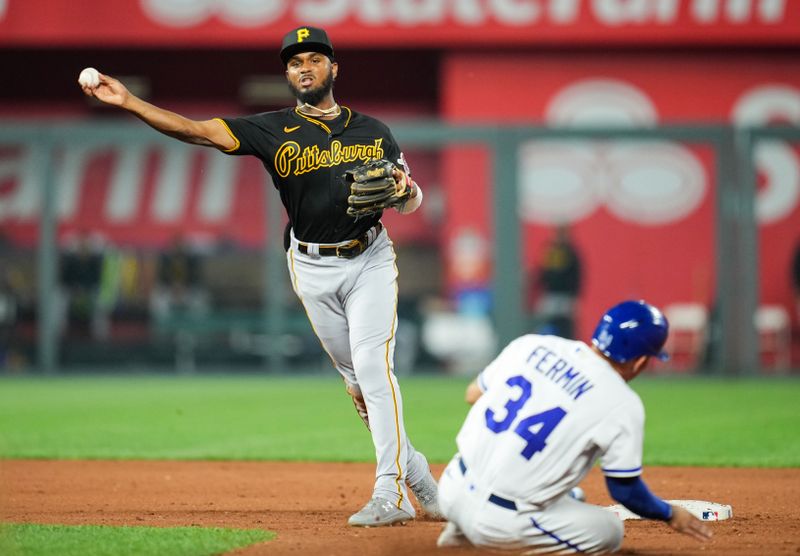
(631, 329)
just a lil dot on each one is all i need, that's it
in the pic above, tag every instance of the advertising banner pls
(400, 23)
(144, 195)
(642, 215)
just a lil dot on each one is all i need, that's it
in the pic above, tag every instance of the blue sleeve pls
(632, 493)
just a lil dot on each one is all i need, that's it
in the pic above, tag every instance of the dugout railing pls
(736, 227)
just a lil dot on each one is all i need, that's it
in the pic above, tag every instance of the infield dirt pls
(307, 504)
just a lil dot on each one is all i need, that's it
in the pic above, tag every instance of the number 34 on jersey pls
(533, 429)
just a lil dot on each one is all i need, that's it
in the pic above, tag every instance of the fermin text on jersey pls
(559, 371)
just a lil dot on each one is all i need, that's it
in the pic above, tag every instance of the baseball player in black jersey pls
(342, 268)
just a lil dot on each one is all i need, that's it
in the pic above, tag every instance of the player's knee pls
(369, 366)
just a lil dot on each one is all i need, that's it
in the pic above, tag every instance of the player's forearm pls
(168, 123)
(633, 493)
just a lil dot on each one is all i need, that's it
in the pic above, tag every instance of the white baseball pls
(578, 494)
(89, 77)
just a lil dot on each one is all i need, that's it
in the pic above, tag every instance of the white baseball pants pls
(352, 306)
(566, 526)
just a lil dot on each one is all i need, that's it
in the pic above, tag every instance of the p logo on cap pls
(305, 39)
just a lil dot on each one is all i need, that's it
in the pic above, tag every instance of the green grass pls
(34, 540)
(729, 423)
(702, 422)
(239, 418)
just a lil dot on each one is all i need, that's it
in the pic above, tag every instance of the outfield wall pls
(673, 220)
(39, 164)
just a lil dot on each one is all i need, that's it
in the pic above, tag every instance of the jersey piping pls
(236, 140)
(398, 479)
(623, 472)
(313, 121)
(322, 124)
(556, 537)
(349, 115)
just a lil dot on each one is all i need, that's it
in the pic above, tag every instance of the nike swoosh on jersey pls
(288, 129)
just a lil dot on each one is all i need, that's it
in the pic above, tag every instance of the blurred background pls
(573, 153)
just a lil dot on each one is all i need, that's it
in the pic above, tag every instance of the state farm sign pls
(515, 13)
(402, 23)
(646, 183)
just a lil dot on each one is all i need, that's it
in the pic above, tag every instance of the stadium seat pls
(688, 326)
(774, 337)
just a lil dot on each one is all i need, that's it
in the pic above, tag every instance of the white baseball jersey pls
(550, 408)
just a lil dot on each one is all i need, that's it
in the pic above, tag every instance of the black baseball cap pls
(305, 39)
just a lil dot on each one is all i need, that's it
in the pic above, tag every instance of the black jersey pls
(307, 159)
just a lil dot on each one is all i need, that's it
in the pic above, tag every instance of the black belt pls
(349, 250)
(493, 498)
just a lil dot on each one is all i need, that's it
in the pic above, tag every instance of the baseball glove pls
(374, 188)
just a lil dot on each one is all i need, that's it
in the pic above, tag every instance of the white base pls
(706, 511)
